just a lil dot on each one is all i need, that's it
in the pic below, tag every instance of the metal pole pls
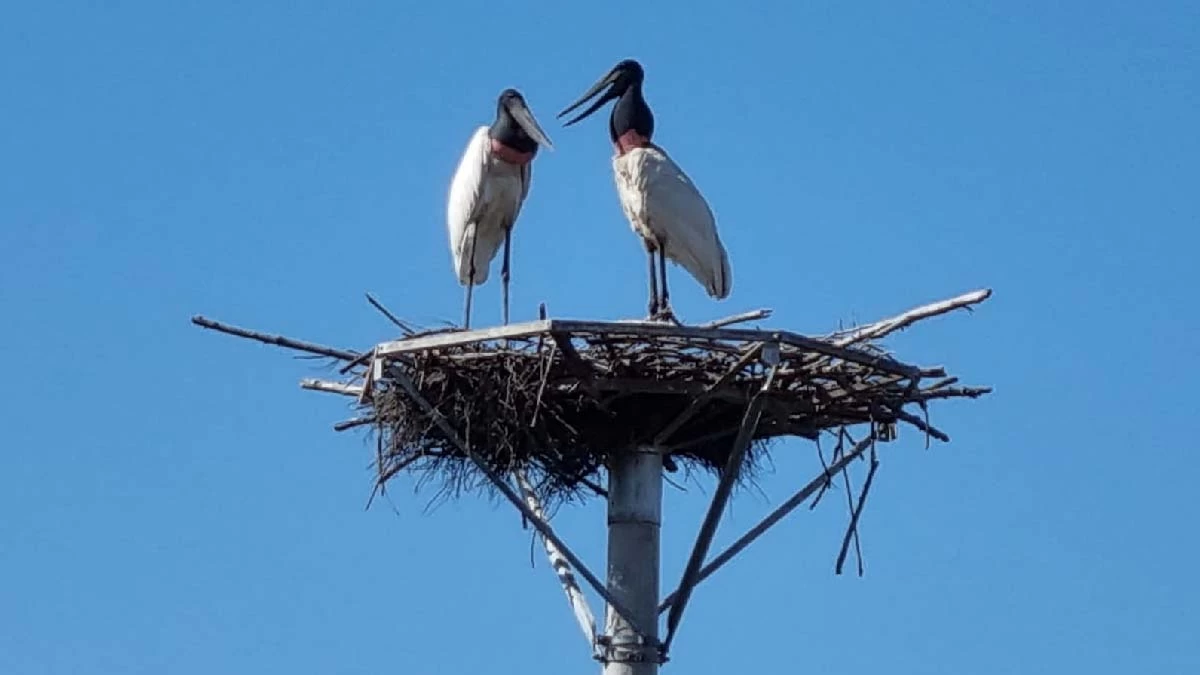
(634, 519)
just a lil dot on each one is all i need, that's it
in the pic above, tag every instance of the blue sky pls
(173, 502)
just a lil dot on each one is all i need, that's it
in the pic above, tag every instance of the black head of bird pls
(631, 113)
(515, 126)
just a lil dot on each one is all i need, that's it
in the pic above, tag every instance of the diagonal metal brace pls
(562, 568)
(775, 516)
(700, 401)
(542, 526)
(721, 497)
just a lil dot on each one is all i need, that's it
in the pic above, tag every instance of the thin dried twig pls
(331, 387)
(278, 340)
(753, 315)
(821, 455)
(404, 327)
(356, 422)
(855, 514)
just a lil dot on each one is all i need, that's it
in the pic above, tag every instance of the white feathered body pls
(485, 199)
(667, 211)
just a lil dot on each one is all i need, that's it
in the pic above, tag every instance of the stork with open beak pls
(662, 204)
(487, 193)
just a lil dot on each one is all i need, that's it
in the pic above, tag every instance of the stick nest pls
(556, 404)
(556, 398)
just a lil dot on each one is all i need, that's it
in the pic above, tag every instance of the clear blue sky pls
(173, 503)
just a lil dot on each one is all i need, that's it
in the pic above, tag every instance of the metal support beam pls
(634, 519)
(562, 568)
(733, 467)
(698, 402)
(774, 517)
(502, 485)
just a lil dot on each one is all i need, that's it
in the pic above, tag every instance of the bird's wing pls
(526, 180)
(679, 216)
(465, 201)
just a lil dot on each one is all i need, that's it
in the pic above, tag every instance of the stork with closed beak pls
(487, 193)
(662, 204)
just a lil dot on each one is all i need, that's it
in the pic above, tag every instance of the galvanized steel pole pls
(634, 519)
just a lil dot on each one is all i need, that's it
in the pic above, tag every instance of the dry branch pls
(879, 329)
(331, 387)
(278, 340)
(356, 422)
(754, 315)
(855, 514)
(404, 327)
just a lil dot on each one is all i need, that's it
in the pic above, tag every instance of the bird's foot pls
(666, 315)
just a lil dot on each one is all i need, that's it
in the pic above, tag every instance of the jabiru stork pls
(660, 201)
(487, 192)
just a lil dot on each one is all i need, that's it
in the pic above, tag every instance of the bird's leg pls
(504, 275)
(662, 268)
(470, 281)
(467, 304)
(653, 284)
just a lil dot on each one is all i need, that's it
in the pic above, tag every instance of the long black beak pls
(610, 78)
(520, 113)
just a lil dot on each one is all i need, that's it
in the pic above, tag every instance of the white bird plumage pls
(486, 196)
(663, 206)
(487, 192)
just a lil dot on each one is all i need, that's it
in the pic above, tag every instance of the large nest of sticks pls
(555, 399)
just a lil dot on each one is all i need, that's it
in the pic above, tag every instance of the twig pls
(950, 392)
(821, 456)
(674, 484)
(944, 382)
(916, 422)
(356, 422)
(399, 466)
(854, 517)
(378, 487)
(753, 315)
(593, 487)
(404, 327)
(331, 387)
(360, 361)
(545, 364)
(278, 340)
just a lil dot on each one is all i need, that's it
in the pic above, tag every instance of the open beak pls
(610, 78)
(520, 113)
